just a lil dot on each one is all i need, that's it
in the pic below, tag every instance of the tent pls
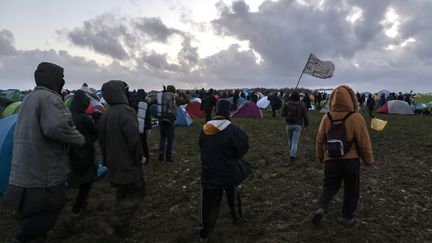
(7, 127)
(422, 98)
(241, 101)
(4, 102)
(182, 117)
(95, 105)
(385, 92)
(11, 109)
(325, 107)
(194, 110)
(15, 95)
(248, 110)
(396, 107)
(263, 102)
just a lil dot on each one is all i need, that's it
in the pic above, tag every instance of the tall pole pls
(301, 75)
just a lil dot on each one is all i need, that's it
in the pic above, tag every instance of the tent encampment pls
(248, 110)
(396, 107)
(7, 127)
(194, 109)
(182, 117)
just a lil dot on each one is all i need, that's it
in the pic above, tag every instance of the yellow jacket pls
(342, 101)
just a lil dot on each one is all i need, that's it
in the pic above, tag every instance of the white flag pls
(317, 68)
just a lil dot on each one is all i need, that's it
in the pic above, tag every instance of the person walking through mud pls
(43, 134)
(342, 140)
(222, 145)
(82, 159)
(295, 114)
(121, 149)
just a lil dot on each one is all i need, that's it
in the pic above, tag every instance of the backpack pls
(293, 111)
(168, 108)
(336, 145)
(141, 115)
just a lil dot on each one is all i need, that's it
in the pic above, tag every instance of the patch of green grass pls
(278, 198)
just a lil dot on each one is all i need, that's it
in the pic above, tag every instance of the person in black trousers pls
(370, 103)
(222, 145)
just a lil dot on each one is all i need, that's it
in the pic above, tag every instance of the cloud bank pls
(373, 44)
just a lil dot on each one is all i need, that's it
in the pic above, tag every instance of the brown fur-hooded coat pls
(341, 102)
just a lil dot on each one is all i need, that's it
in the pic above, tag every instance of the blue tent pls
(241, 101)
(7, 127)
(182, 117)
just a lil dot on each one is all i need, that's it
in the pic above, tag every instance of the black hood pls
(115, 92)
(80, 102)
(141, 94)
(50, 75)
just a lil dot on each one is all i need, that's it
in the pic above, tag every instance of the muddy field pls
(279, 198)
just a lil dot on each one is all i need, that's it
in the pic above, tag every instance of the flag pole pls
(301, 75)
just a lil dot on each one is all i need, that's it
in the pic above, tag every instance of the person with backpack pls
(44, 132)
(82, 159)
(207, 104)
(142, 109)
(169, 102)
(222, 146)
(121, 149)
(295, 114)
(370, 103)
(342, 140)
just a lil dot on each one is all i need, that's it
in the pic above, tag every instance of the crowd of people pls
(54, 145)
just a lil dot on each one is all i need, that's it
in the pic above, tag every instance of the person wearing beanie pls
(43, 135)
(222, 146)
(343, 105)
(295, 114)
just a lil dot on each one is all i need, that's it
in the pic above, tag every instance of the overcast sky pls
(374, 44)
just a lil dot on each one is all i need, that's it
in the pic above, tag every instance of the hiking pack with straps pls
(336, 145)
(293, 112)
(167, 107)
(141, 115)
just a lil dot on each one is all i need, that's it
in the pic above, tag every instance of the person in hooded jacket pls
(40, 164)
(295, 114)
(141, 97)
(222, 145)
(342, 101)
(82, 159)
(121, 149)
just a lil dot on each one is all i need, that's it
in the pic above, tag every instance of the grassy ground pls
(278, 199)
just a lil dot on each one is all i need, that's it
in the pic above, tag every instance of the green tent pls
(14, 95)
(68, 101)
(11, 109)
(423, 98)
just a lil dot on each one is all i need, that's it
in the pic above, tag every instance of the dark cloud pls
(7, 43)
(103, 34)
(154, 29)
